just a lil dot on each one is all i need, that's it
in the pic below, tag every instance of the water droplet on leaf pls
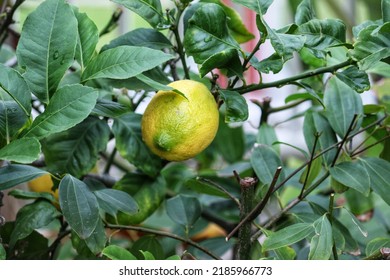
(56, 55)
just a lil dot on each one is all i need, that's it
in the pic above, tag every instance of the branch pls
(8, 20)
(166, 234)
(283, 82)
(330, 215)
(113, 23)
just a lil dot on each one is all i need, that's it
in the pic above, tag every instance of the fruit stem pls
(180, 48)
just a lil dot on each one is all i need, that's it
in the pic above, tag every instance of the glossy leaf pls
(284, 44)
(112, 201)
(79, 206)
(150, 244)
(342, 103)
(259, 6)
(149, 10)
(88, 37)
(353, 175)
(31, 217)
(315, 170)
(229, 141)
(322, 242)
(183, 209)
(15, 174)
(288, 236)
(16, 87)
(69, 106)
(47, 45)
(127, 131)
(204, 187)
(305, 12)
(362, 229)
(372, 45)
(207, 34)
(377, 243)
(22, 194)
(76, 150)
(123, 62)
(226, 59)
(273, 63)
(115, 252)
(24, 150)
(265, 161)
(386, 10)
(97, 240)
(266, 135)
(314, 123)
(109, 109)
(140, 37)
(236, 106)
(378, 170)
(12, 119)
(322, 34)
(354, 78)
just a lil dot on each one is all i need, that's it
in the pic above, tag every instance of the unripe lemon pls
(43, 183)
(178, 128)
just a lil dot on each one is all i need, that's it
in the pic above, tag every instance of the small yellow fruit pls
(210, 231)
(43, 183)
(177, 128)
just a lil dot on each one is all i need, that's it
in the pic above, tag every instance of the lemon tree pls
(183, 162)
(178, 127)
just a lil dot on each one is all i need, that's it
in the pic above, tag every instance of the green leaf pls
(150, 244)
(207, 35)
(315, 122)
(114, 252)
(127, 132)
(372, 45)
(46, 47)
(284, 44)
(3, 253)
(79, 206)
(147, 255)
(76, 150)
(69, 106)
(358, 224)
(158, 86)
(322, 34)
(149, 10)
(88, 37)
(97, 240)
(109, 109)
(377, 243)
(147, 192)
(21, 194)
(386, 10)
(378, 170)
(225, 59)
(15, 174)
(12, 119)
(288, 236)
(342, 103)
(140, 37)
(112, 201)
(204, 187)
(123, 62)
(355, 78)
(31, 217)
(322, 242)
(236, 106)
(229, 141)
(259, 6)
(305, 12)
(315, 170)
(24, 150)
(265, 161)
(267, 136)
(353, 175)
(273, 63)
(236, 27)
(183, 209)
(16, 87)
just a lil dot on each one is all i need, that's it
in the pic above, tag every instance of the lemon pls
(43, 183)
(177, 128)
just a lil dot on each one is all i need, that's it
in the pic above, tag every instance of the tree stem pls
(330, 215)
(180, 48)
(286, 81)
